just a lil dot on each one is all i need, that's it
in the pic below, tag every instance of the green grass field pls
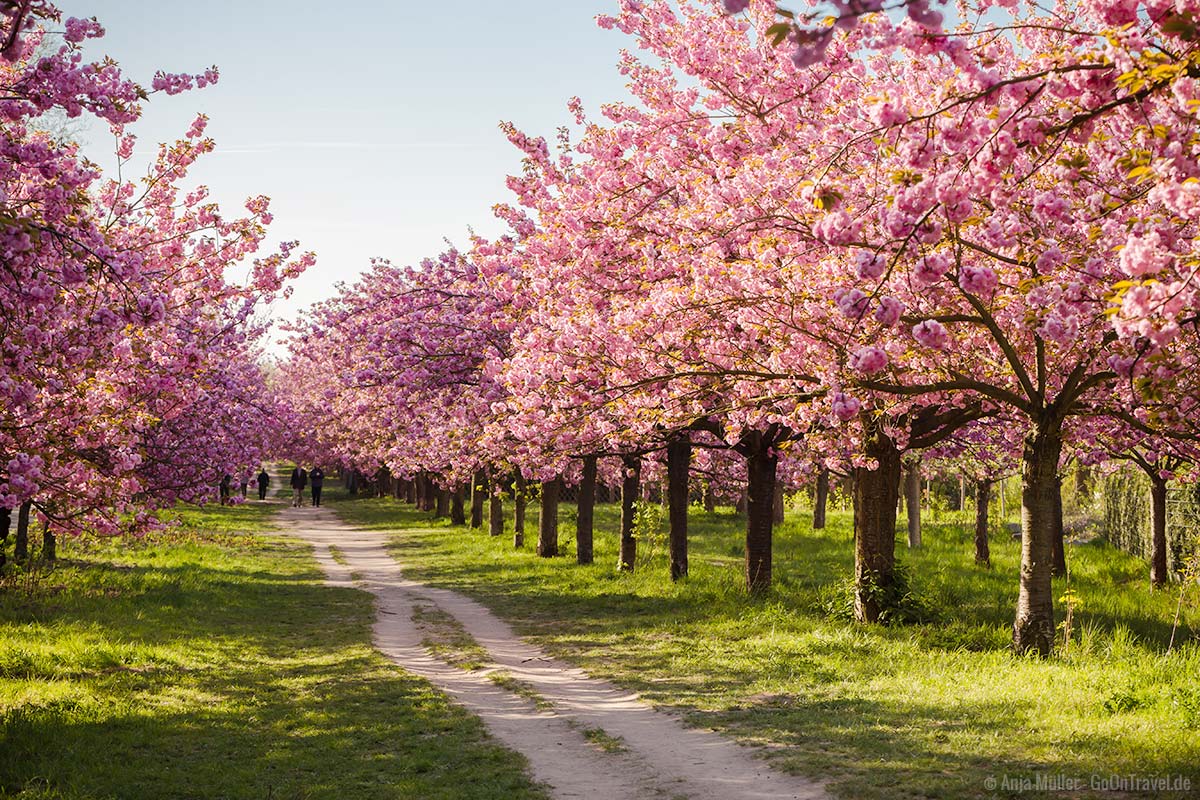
(211, 663)
(936, 709)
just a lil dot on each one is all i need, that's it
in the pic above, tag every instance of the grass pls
(931, 710)
(505, 680)
(605, 741)
(210, 662)
(446, 639)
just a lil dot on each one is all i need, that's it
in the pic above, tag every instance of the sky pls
(371, 125)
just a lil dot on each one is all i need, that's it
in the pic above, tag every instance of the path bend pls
(661, 757)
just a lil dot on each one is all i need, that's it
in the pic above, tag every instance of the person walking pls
(264, 480)
(224, 488)
(317, 477)
(299, 481)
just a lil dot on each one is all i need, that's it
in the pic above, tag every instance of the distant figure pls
(226, 485)
(245, 485)
(317, 476)
(264, 480)
(299, 481)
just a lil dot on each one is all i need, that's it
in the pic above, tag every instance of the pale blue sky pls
(372, 126)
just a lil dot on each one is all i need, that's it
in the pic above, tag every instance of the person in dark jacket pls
(264, 480)
(224, 488)
(317, 477)
(299, 481)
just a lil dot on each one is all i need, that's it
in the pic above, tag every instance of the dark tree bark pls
(679, 460)
(983, 492)
(709, 498)
(1033, 628)
(442, 497)
(875, 502)
(496, 515)
(584, 520)
(458, 515)
(1083, 484)
(351, 481)
(479, 492)
(777, 504)
(49, 543)
(740, 505)
(761, 462)
(5, 523)
(1060, 550)
(518, 510)
(912, 501)
(547, 545)
(21, 544)
(631, 480)
(410, 491)
(821, 500)
(1158, 529)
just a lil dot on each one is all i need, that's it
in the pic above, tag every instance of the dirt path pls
(651, 755)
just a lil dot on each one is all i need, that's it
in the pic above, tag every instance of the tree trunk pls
(709, 498)
(585, 500)
(21, 546)
(458, 514)
(1060, 533)
(777, 504)
(1158, 528)
(410, 491)
(1033, 628)
(821, 500)
(679, 460)
(1083, 485)
(518, 510)
(912, 502)
(547, 545)
(983, 491)
(49, 543)
(760, 501)
(875, 502)
(496, 515)
(741, 503)
(442, 497)
(962, 492)
(479, 491)
(630, 482)
(5, 523)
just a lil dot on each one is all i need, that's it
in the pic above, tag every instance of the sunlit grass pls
(928, 710)
(211, 662)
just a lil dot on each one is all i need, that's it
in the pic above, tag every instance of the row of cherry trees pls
(129, 363)
(897, 234)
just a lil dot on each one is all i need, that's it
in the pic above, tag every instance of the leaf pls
(828, 200)
(779, 32)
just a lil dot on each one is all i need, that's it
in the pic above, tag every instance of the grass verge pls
(210, 662)
(939, 709)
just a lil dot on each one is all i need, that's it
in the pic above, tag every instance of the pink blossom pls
(931, 334)
(977, 280)
(853, 303)
(844, 407)
(869, 360)
(930, 269)
(889, 312)
(869, 266)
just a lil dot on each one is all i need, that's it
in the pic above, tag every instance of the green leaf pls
(779, 32)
